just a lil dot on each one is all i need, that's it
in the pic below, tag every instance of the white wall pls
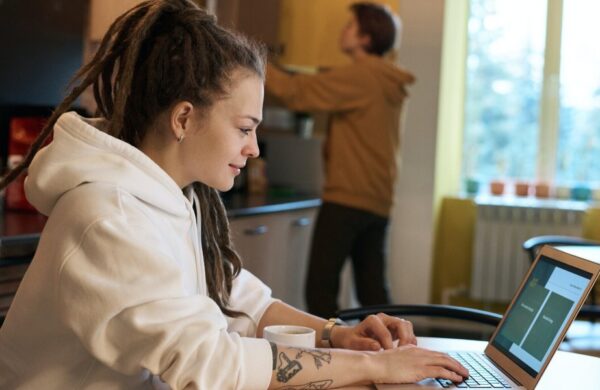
(412, 228)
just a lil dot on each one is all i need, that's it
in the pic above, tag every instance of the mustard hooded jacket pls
(365, 100)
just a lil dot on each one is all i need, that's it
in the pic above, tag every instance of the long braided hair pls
(157, 54)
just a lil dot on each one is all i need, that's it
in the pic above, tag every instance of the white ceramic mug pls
(290, 335)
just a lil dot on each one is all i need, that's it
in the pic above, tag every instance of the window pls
(578, 157)
(532, 95)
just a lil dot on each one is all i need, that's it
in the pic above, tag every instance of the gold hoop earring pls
(180, 138)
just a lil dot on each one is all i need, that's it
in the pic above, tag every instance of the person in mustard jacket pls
(365, 100)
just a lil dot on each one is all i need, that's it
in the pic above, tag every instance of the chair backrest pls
(484, 321)
(534, 244)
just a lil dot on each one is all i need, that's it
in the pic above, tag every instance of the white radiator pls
(499, 262)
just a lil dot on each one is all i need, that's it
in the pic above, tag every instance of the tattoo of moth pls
(287, 368)
(319, 357)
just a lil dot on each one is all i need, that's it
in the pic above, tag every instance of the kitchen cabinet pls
(275, 247)
(271, 233)
(104, 12)
(258, 19)
(306, 32)
(310, 30)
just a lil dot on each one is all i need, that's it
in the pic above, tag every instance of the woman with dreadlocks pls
(135, 284)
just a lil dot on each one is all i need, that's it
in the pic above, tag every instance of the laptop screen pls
(540, 313)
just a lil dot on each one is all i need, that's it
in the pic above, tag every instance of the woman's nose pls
(251, 150)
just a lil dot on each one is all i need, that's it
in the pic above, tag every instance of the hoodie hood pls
(392, 78)
(81, 152)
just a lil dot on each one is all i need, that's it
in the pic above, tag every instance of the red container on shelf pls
(542, 190)
(522, 188)
(22, 132)
(497, 187)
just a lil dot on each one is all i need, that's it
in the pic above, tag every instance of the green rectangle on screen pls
(524, 311)
(547, 325)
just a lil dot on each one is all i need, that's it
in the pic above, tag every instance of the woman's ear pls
(181, 119)
(364, 41)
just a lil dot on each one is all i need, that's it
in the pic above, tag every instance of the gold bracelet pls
(326, 334)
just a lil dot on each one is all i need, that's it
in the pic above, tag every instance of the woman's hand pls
(374, 333)
(409, 364)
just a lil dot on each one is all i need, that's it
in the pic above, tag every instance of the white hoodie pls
(116, 296)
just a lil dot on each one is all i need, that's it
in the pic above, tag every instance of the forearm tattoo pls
(319, 357)
(286, 368)
(274, 351)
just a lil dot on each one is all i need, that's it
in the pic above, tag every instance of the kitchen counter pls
(20, 231)
(242, 205)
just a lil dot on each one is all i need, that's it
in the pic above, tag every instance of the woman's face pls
(350, 36)
(224, 138)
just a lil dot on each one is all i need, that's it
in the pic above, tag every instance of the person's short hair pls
(379, 23)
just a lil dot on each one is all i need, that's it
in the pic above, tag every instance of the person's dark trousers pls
(340, 232)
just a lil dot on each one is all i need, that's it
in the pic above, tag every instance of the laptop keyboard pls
(483, 373)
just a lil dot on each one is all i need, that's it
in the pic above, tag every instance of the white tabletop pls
(567, 370)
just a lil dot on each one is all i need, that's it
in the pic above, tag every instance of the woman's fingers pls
(365, 344)
(401, 329)
(443, 373)
(385, 329)
(418, 363)
(451, 364)
(441, 359)
(356, 338)
(376, 328)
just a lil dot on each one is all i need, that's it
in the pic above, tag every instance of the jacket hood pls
(81, 152)
(393, 78)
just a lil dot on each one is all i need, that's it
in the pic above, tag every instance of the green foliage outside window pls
(504, 79)
(504, 84)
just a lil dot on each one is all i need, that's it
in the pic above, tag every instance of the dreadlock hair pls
(379, 23)
(157, 54)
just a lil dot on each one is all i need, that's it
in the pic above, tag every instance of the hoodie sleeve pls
(338, 89)
(251, 296)
(123, 299)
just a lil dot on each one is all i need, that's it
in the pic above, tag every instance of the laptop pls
(535, 323)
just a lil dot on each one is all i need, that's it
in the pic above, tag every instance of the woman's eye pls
(246, 131)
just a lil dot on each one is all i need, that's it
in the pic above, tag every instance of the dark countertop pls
(20, 230)
(242, 205)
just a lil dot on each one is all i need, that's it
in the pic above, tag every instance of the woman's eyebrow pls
(253, 119)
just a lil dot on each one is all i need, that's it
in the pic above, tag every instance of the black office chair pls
(455, 319)
(533, 245)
